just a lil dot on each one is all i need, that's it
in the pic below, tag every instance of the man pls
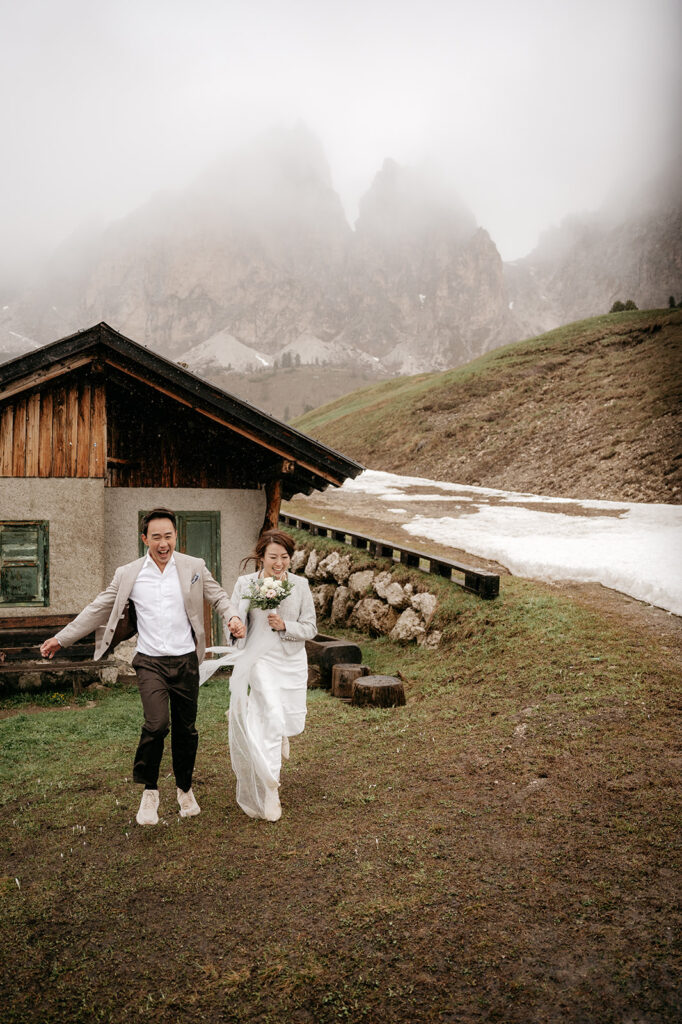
(161, 598)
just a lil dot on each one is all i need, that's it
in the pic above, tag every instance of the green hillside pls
(588, 410)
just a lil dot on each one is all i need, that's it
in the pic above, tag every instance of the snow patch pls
(632, 547)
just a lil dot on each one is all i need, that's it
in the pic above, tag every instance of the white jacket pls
(297, 610)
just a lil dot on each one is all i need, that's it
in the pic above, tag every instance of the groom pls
(161, 598)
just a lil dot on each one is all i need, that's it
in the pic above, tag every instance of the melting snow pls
(631, 547)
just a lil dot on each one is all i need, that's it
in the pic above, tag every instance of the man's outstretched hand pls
(49, 648)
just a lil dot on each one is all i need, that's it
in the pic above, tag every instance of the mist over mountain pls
(257, 254)
(630, 250)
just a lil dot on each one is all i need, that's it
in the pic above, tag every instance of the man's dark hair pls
(157, 513)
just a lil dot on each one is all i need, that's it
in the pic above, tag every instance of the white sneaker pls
(285, 747)
(149, 806)
(188, 805)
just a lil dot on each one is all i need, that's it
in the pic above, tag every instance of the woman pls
(269, 682)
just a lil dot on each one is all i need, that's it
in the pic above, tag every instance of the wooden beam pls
(83, 431)
(36, 379)
(59, 433)
(32, 433)
(6, 440)
(19, 448)
(45, 440)
(71, 428)
(273, 494)
(98, 431)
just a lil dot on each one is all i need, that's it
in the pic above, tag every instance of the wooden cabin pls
(96, 429)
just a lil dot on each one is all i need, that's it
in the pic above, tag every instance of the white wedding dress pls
(268, 690)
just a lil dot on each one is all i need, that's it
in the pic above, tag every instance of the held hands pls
(276, 622)
(49, 648)
(237, 627)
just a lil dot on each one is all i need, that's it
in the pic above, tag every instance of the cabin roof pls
(311, 465)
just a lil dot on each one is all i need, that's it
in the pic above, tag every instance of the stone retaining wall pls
(370, 600)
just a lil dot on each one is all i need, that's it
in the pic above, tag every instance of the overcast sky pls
(536, 108)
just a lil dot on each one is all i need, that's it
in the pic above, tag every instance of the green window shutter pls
(24, 574)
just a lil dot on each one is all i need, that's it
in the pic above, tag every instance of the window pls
(24, 575)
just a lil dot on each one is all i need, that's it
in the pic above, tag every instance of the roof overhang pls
(306, 464)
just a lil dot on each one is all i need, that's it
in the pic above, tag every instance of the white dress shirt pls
(162, 624)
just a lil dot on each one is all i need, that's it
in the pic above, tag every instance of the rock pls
(126, 651)
(408, 627)
(431, 640)
(390, 590)
(396, 596)
(341, 605)
(425, 604)
(360, 582)
(30, 681)
(298, 559)
(534, 786)
(335, 566)
(373, 616)
(311, 564)
(381, 581)
(325, 565)
(343, 568)
(323, 596)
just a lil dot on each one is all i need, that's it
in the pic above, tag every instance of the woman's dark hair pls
(157, 513)
(269, 537)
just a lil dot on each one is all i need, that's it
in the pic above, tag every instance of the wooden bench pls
(23, 669)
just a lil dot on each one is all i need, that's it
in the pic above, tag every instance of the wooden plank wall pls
(56, 431)
(154, 441)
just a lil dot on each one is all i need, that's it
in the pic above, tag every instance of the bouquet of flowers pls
(268, 592)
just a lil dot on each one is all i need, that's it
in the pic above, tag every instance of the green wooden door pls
(199, 535)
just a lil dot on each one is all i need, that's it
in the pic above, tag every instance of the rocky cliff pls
(258, 252)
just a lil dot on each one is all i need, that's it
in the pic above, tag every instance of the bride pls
(268, 686)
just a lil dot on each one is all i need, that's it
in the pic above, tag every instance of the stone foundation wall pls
(369, 599)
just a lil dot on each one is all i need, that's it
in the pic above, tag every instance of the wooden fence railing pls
(478, 581)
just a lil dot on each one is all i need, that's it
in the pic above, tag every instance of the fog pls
(532, 110)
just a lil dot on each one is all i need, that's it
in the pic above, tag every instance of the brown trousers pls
(169, 688)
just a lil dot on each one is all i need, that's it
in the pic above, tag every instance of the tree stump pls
(343, 677)
(327, 651)
(379, 691)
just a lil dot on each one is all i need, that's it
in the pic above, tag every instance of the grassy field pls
(503, 848)
(592, 410)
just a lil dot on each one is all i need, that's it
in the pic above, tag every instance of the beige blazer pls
(297, 610)
(111, 614)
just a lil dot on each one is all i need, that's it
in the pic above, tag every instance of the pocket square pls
(194, 578)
